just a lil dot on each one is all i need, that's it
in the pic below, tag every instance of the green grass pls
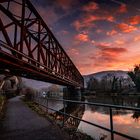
(2, 99)
(76, 135)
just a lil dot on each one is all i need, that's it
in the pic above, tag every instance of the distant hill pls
(100, 75)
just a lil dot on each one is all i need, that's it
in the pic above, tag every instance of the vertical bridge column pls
(71, 93)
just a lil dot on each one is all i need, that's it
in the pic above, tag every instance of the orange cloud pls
(79, 24)
(91, 7)
(111, 33)
(126, 28)
(91, 18)
(82, 37)
(122, 9)
(134, 20)
(114, 51)
(137, 38)
(73, 51)
(103, 45)
(88, 20)
(120, 42)
(110, 18)
(109, 55)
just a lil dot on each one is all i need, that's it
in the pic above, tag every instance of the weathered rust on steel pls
(28, 47)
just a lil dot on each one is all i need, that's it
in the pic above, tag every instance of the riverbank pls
(57, 120)
(22, 123)
(2, 103)
(2, 110)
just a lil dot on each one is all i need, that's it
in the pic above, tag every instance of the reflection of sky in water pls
(123, 123)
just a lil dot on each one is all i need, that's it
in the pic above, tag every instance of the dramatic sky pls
(98, 35)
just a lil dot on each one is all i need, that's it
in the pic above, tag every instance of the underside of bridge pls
(29, 49)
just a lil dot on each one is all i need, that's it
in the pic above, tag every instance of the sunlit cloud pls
(126, 28)
(112, 32)
(120, 42)
(114, 51)
(92, 6)
(109, 55)
(100, 35)
(88, 21)
(103, 45)
(122, 8)
(82, 37)
(137, 38)
(73, 51)
(134, 20)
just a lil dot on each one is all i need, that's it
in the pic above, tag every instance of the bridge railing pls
(41, 102)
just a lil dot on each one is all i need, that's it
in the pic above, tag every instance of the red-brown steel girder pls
(33, 51)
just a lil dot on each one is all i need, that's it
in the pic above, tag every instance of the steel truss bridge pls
(29, 49)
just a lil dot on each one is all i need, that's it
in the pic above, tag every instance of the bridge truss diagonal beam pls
(28, 47)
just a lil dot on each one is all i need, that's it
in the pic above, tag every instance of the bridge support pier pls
(71, 93)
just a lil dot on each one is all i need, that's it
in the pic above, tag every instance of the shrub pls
(29, 94)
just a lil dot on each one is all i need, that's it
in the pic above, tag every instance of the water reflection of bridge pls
(78, 112)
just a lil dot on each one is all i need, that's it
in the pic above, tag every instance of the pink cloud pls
(120, 42)
(82, 37)
(134, 20)
(108, 54)
(137, 38)
(126, 28)
(73, 51)
(112, 32)
(103, 45)
(114, 51)
(88, 21)
(122, 9)
(92, 6)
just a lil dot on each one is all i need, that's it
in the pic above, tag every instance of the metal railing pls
(111, 107)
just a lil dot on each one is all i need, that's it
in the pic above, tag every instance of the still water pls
(124, 121)
(127, 122)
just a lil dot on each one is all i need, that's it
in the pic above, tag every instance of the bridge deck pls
(21, 123)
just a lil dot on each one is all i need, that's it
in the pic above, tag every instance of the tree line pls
(111, 83)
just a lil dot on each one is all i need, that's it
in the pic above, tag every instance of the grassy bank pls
(2, 110)
(2, 101)
(72, 131)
